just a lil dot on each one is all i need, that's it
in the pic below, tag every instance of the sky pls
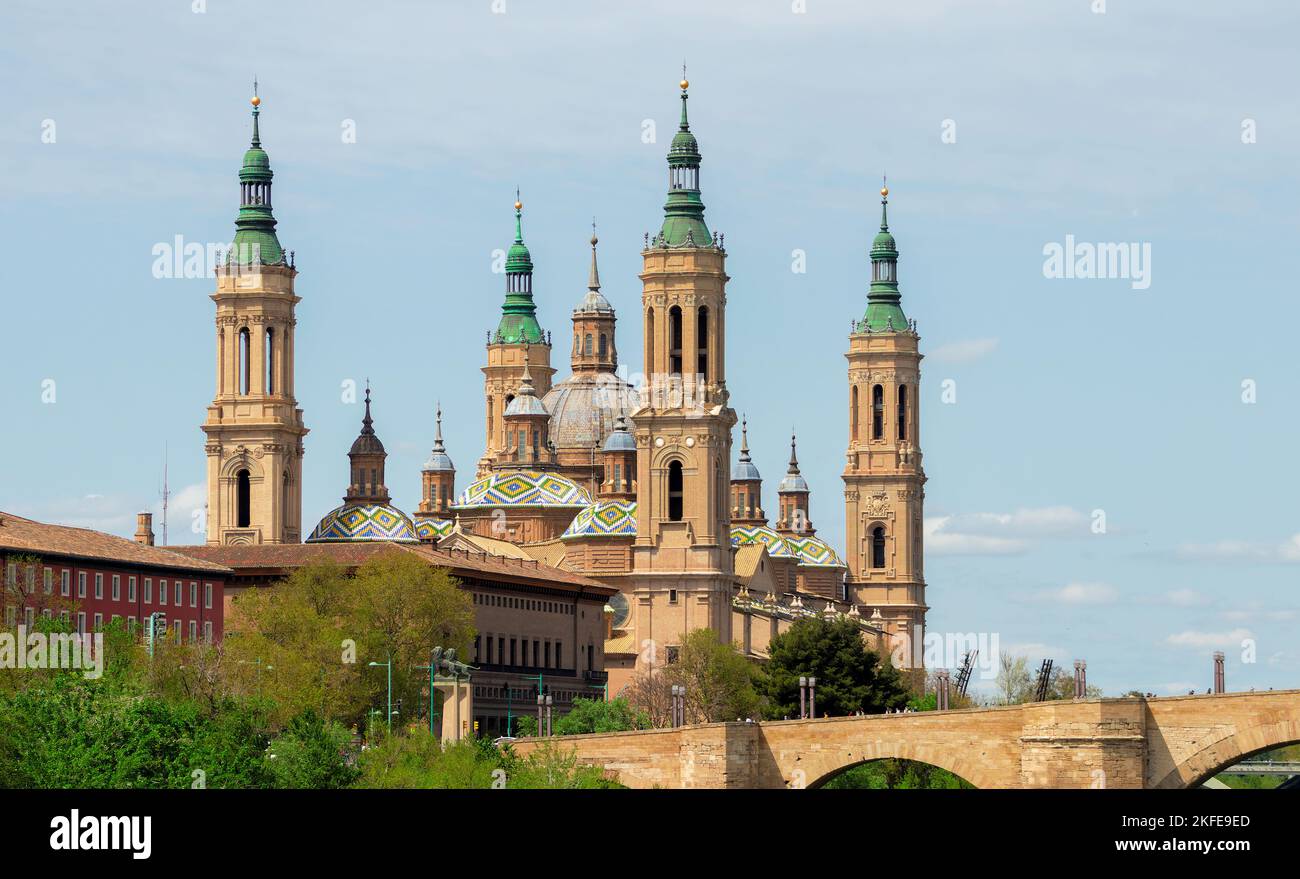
(1163, 409)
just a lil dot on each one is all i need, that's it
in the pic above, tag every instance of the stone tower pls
(437, 480)
(746, 486)
(682, 569)
(884, 482)
(254, 426)
(517, 335)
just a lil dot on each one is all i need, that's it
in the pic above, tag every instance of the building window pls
(49, 581)
(29, 616)
(194, 594)
(130, 589)
(81, 622)
(194, 631)
(672, 596)
(130, 625)
(243, 360)
(878, 547)
(207, 632)
(207, 595)
(675, 340)
(99, 585)
(604, 346)
(853, 411)
(243, 499)
(877, 412)
(586, 345)
(162, 591)
(117, 587)
(902, 412)
(176, 629)
(11, 574)
(270, 360)
(702, 341)
(11, 615)
(672, 654)
(148, 590)
(81, 584)
(65, 577)
(675, 491)
(99, 622)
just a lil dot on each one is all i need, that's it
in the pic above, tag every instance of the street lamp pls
(389, 666)
(803, 697)
(812, 697)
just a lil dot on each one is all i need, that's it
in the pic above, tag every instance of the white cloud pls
(1242, 551)
(964, 351)
(941, 540)
(1084, 593)
(1221, 640)
(1185, 598)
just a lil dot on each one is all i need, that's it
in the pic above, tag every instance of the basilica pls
(633, 487)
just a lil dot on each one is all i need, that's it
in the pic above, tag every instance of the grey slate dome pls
(439, 461)
(620, 440)
(793, 481)
(744, 469)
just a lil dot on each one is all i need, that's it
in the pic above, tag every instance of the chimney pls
(144, 529)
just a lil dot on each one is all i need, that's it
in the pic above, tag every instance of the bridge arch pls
(819, 771)
(1229, 750)
(830, 777)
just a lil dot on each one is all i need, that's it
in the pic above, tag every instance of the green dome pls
(884, 245)
(256, 159)
(518, 259)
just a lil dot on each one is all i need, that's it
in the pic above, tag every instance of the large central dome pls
(584, 408)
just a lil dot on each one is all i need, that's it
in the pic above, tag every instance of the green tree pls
(310, 753)
(591, 716)
(850, 678)
(719, 680)
(897, 775)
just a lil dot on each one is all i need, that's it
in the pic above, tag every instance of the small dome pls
(620, 439)
(256, 159)
(609, 518)
(884, 245)
(433, 529)
(793, 482)
(526, 404)
(364, 522)
(744, 470)
(518, 259)
(523, 488)
(439, 462)
(742, 535)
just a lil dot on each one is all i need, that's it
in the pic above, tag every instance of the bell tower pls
(254, 426)
(517, 337)
(884, 482)
(682, 560)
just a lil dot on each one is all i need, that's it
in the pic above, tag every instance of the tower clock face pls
(618, 601)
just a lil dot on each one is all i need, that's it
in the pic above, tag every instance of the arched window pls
(604, 345)
(902, 412)
(286, 497)
(853, 411)
(586, 345)
(675, 491)
(877, 412)
(270, 360)
(675, 340)
(650, 340)
(243, 499)
(244, 355)
(702, 341)
(878, 546)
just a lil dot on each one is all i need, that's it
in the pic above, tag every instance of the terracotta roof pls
(550, 552)
(622, 644)
(278, 557)
(40, 538)
(747, 556)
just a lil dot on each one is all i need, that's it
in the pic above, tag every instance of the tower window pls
(902, 412)
(853, 411)
(270, 360)
(604, 345)
(877, 412)
(878, 547)
(243, 499)
(244, 355)
(675, 491)
(702, 341)
(650, 340)
(586, 345)
(675, 340)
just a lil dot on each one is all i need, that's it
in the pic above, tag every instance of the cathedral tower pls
(883, 477)
(517, 332)
(792, 500)
(746, 486)
(437, 480)
(682, 567)
(254, 426)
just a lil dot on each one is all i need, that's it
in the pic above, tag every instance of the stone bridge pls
(1173, 742)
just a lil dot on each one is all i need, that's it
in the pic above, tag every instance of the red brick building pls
(90, 578)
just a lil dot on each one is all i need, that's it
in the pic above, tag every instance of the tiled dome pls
(814, 552)
(775, 543)
(363, 522)
(523, 488)
(607, 518)
(433, 529)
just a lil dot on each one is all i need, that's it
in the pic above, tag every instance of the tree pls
(897, 775)
(850, 677)
(591, 716)
(1014, 683)
(719, 680)
(651, 694)
(310, 754)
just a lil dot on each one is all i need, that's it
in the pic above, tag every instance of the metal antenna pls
(166, 496)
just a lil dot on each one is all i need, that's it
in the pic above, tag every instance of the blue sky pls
(1071, 395)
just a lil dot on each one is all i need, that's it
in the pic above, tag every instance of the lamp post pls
(803, 697)
(509, 696)
(541, 702)
(389, 666)
(812, 697)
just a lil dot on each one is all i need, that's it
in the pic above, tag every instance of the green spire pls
(519, 313)
(684, 211)
(884, 309)
(255, 225)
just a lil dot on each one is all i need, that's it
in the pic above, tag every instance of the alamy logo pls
(105, 833)
(1107, 259)
(53, 650)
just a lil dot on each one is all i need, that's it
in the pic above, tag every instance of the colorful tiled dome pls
(359, 522)
(777, 547)
(523, 488)
(433, 529)
(814, 552)
(607, 518)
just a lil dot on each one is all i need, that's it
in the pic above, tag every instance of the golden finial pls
(255, 100)
(519, 205)
(685, 83)
(884, 187)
